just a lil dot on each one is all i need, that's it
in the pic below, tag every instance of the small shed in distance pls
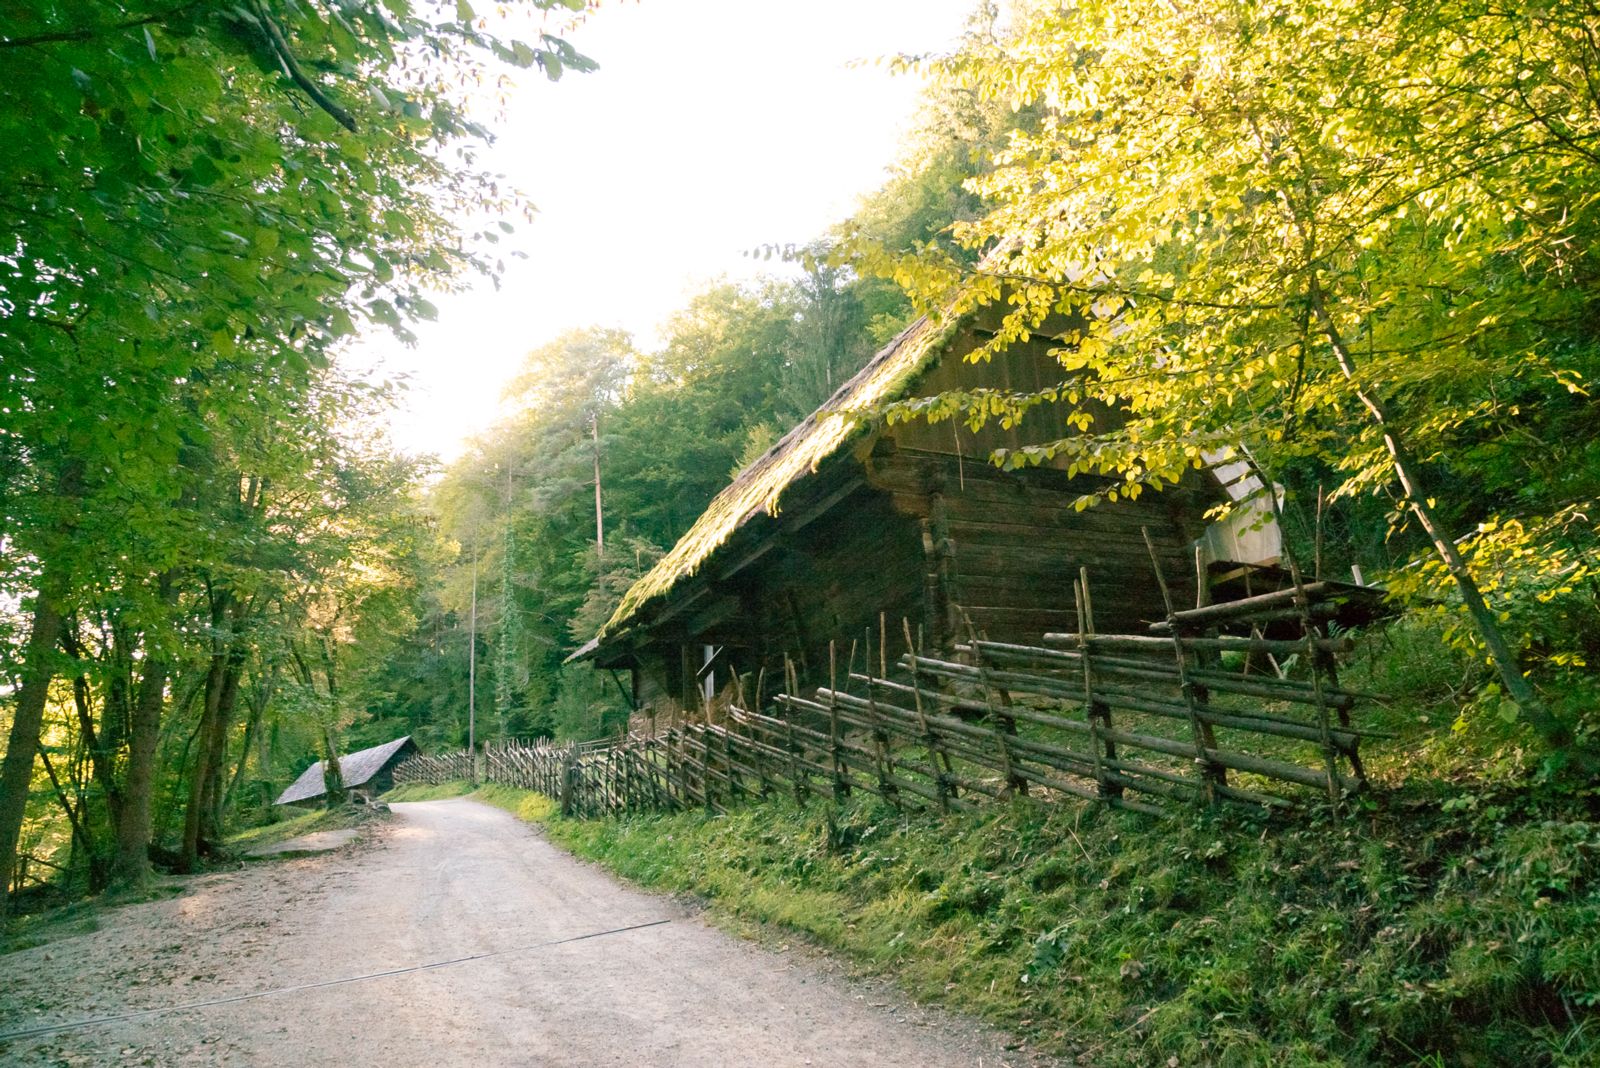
(370, 771)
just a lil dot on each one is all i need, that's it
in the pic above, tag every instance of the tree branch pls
(67, 36)
(280, 48)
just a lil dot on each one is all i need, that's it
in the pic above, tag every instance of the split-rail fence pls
(1187, 713)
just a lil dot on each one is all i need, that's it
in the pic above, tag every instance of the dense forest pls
(1352, 241)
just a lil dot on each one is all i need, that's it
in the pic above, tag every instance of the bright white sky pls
(712, 127)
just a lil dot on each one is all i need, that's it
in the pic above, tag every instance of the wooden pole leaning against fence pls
(940, 778)
(1097, 715)
(752, 754)
(883, 760)
(802, 786)
(1212, 775)
(841, 785)
(998, 701)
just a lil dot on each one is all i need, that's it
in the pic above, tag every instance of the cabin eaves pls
(759, 487)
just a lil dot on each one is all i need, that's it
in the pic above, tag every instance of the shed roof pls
(758, 488)
(355, 769)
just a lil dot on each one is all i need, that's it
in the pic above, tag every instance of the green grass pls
(1404, 934)
(523, 804)
(418, 791)
(293, 826)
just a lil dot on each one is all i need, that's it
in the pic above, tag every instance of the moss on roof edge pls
(759, 488)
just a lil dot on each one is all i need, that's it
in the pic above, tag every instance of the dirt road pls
(441, 881)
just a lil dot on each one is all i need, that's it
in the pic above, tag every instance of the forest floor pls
(529, 957)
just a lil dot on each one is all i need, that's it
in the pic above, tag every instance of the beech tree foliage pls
(200, 201)
(1345, 234)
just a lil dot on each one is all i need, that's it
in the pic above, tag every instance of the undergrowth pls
(1403, 934)
(336, 817)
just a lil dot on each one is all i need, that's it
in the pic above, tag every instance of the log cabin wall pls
(825, 582)
(915, 522)
(926, 537)
(823, 569)
(1006, 546)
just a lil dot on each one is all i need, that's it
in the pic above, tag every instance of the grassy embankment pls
(1400, 938)
(423, 792)
(1451, 917)
(299, 823)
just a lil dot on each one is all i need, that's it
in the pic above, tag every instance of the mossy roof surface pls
(355, 769)
(759, 488)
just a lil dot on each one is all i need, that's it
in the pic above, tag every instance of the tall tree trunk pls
(102, 755)
(131, 863)
(332, 773)
(80, 834)
(1534, 711)
(208, 717)
(115, 721)
(17, 772)
(211, 806)
(257, 703)
(599, 515)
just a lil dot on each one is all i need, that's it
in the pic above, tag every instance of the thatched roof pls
(356, 769)
(758, 489)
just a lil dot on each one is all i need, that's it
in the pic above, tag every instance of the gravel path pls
(440, 881)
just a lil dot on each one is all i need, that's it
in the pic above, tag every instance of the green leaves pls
(193, 228)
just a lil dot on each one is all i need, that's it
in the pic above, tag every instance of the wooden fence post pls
(841, 786)
(883, 761)
(797, 777)
(997, 700)
(568, 783)
(1097, 712)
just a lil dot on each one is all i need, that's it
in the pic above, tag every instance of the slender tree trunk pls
(257, 704)
(208, 718)
(131, 864)
(211, 805)
(599, 516)
(102, 753)
(472, 662)
(17, 772)
(332, 779)
(1533, 709)
(332, 773)
(115, 721)
(161, 820)
(80, 833)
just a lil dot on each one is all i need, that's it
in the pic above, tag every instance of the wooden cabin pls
(847, 517)
(365, 773)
